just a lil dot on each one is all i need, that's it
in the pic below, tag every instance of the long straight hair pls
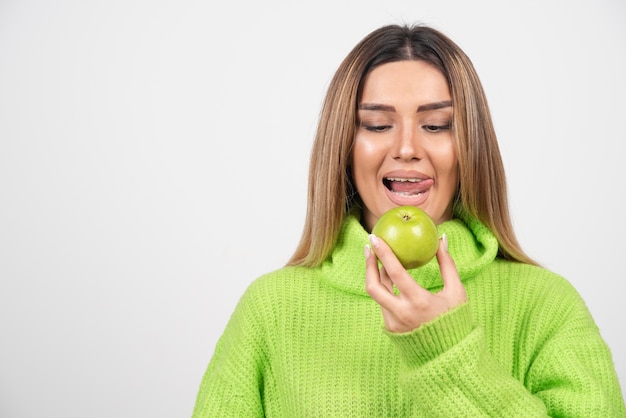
(331, 192)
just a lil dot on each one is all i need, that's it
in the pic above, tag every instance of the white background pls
(153, 162)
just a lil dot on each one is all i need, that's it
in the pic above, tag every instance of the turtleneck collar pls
(471, 244)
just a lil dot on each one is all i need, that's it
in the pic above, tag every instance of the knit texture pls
(310, 342)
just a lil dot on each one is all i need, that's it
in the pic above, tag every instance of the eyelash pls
(428, 128)
(437, 128)
(376, 128)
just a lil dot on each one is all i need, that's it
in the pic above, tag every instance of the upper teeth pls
(411, 180)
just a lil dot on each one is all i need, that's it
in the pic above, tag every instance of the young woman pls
(345, 330)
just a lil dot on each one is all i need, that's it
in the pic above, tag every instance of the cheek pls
(364, 159)
(448, 160)
(453, 169)
(447, 165)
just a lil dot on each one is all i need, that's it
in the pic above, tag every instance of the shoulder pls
(283, 278)
(538, 287)
(517, 274)
(286, 283)
(530, 299)
(275, 297)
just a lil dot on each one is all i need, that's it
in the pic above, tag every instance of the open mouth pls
(407, 186)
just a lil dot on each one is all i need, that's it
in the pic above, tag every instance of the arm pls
(231, 384)
(447, 368)
(449, 371)
(572, 372)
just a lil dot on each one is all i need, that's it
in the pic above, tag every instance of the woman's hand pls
(414, 305)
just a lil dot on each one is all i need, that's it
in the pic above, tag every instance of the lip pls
(407, 174)
(413, 200)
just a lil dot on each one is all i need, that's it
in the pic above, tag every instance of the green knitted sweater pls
(310, 342)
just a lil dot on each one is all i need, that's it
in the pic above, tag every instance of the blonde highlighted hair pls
(331, 192)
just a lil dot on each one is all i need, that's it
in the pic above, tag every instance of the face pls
(404, 150)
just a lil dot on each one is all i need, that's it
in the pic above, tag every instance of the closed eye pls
(376, 128)
(437, 128)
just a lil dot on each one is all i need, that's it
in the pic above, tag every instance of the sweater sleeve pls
(573, 371)
(231, 386)
(449, 371)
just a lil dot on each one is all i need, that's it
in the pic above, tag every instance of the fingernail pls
(444, 238)
(374, 240)
(367, 250)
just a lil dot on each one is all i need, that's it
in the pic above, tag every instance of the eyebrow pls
(435, 106)
(422, 108)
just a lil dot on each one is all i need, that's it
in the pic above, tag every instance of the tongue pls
(408, 187)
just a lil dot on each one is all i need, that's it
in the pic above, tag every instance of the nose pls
(407, 144)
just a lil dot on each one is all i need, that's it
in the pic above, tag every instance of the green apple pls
(410, 233)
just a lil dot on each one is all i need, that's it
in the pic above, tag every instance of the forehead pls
(405, 80)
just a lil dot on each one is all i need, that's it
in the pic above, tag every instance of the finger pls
(377, 290)
(447, 266)
(396, 272)
(386, 280)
